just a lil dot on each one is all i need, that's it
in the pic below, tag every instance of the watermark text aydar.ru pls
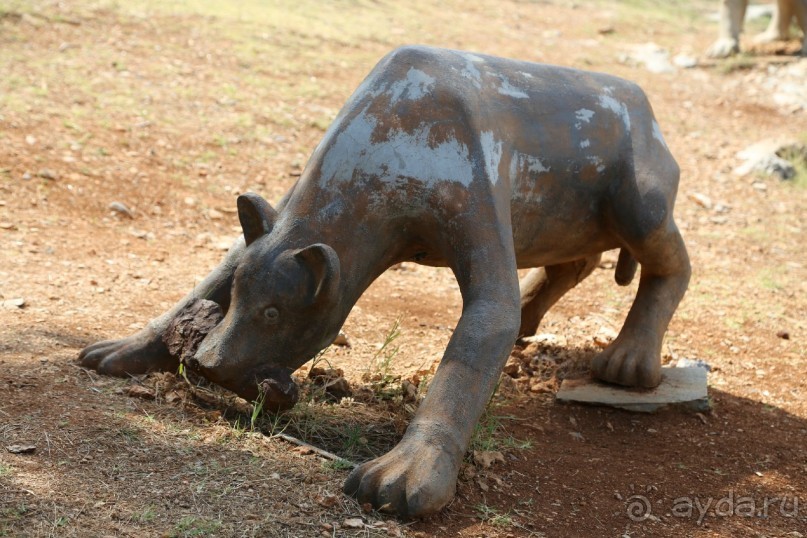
(639, 507)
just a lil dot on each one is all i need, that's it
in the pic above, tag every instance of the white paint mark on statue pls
(471, 72)
(492, 153)
(583, 115)
(508, 89)
(657, 134)
(416, 85)
(352, 153)
(609, 103)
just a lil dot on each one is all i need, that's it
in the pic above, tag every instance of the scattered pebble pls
(685, 61)
(652, 57)
(341, 340)
(784, 335)
(120, 207)
(765, 157)
(15, 303)
(47, 173)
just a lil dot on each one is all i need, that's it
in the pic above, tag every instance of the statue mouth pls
(277, 391)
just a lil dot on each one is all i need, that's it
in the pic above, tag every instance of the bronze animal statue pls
(446, 158)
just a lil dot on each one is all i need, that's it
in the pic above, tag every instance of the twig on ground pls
(316, 450)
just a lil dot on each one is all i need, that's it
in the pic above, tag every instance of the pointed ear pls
(323, 263)
(256, 215)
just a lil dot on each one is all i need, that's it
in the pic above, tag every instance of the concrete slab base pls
(682, 387)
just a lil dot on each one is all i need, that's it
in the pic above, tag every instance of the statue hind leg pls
(644, 222)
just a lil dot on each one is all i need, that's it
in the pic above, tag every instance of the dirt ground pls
(173, 108)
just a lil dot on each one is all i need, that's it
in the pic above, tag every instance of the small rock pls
(13, 304)
(26, 176)
(341, 340)
(649, 55)
(685, 61)
(48, 174)
(758, 185)
(784, 335)
(765, 157)
(30, 140)
(21, 449)
(214, 214)
(120, 207)
(7, 226)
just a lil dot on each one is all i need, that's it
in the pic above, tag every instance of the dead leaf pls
(486, 458)
(173, 396)
(303, 450)
(327, 500)
(139, 391)
(577, 436)
(353, 523)
(483, 485)
(21, 449)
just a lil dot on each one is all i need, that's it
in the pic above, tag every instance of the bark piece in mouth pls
(190, 326)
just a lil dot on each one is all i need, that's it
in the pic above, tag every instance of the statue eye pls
(271, 314)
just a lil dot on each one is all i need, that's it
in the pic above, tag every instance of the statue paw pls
(417, 478)
(140, 353)
(628, 362)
